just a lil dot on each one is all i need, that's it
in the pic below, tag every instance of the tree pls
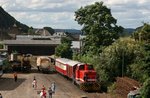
(99, 25)
(50, 30)
(31, 31)
(143, 34)
(66, 40)
(64, 50)
(125, 57)
(146, 89)
(1, 46)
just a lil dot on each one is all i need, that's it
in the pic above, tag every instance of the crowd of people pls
(43, 93)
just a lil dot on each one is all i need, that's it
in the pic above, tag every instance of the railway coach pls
(82, 74)
(43, 63)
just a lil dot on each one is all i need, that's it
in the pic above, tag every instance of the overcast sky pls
(60, 13)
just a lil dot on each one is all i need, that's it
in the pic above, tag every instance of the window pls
(81, 67)
(90, 67)
(0, 67)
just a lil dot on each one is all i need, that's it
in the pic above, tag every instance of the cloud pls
(47, 19)
(60, 13)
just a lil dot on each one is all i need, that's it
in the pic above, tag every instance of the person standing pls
(43, 88)
(41, 94)
(1, 95)
(44, 94)
(50, 92)
(15, 77)
(53, 87)
(38, 63)
(34, 83)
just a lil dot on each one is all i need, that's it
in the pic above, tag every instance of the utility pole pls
(122, 62)
(80, 48)
(140, 36)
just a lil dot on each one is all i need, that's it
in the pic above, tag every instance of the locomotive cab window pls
(90, 67)
(81, 67)
(0, 67)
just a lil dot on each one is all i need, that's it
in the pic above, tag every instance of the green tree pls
(99, 25)
(66, 40)
(63, 51)
(146, 89)
(31, 31)
(146, 68)
(125, 57)
(50, 30)
(75, 57)
(143, 34)
(1, 46)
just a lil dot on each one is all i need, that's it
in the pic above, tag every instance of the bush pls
(112, 88)
(146, 89)
(123, 58)
(75, 57)
(1, 46)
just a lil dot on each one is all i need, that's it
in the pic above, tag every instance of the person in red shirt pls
(43, 88)
(44, 94)
(15, 77)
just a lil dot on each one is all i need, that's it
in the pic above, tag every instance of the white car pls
(29, 55)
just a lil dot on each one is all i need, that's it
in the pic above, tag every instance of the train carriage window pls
(81, 67)
(90, 67)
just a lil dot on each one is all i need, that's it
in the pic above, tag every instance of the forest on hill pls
(7, 21)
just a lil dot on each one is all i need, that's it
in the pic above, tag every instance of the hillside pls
(69, 31)
(7, 21)
(139, 28)
(127, 32)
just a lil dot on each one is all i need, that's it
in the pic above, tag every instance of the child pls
(34, 83)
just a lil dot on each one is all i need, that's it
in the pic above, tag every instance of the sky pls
(60, 13)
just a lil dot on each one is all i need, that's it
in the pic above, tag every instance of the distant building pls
(59, 34)
(75, 37)
(13, 31)
(37, 37)
(82, 36)
(75, 47)
(43, 32)
(72, 31)
(35, 47)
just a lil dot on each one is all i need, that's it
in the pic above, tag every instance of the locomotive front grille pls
(90, 86)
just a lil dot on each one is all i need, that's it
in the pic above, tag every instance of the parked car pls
(29, 55)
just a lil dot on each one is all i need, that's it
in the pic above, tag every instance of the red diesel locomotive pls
(82, 74)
